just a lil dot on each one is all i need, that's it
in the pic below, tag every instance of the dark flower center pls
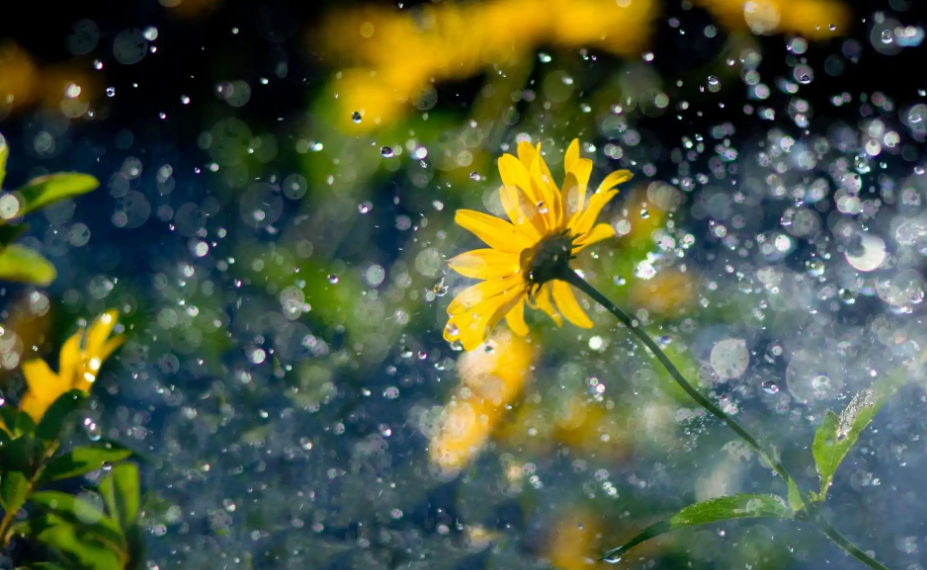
(547, 260)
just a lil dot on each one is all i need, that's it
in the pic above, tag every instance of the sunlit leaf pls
(746, 506)
(44, 190)
(84, 515)
(24, 265)
(13, 489)
(120, 489)
(795, 500)
(82, 460)
(56, 414)
(79, 550)
(837, 434)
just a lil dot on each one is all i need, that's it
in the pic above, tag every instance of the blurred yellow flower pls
(573, 544)
(399, 54)
(549, 226)
(490, 380)
(23, 83)
(79, 362)
(814, 19)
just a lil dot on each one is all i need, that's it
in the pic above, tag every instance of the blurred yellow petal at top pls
(80, 360)
(529, 254)
(813, 19)
(490, 379)
(398, 54)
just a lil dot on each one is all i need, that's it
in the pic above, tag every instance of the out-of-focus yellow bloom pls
(814, 19)
(667, 292)
(23, 83)
(79, 362)
(548, 227)
(398, 54)
(573, 541)
(490, 380)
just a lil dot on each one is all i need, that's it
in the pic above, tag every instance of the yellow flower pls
(528, 255)
(79, 362)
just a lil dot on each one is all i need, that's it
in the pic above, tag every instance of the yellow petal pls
(472, 327)
(571, 156)
(110, 346)
(598, 233)
(549, 204)
(496, 233)
(569, 306)
(69, 359)
(542, 298)
(574, 188)
(516, 319)
(44, 387)
(99, 331)
(485, 264)
(514, 173)
(476, 294)
(33, 406)
(527, 153)
(522, 212)
(584, 222)
(614, 179)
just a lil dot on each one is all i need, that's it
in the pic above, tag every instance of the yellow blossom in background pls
(813, 19)
(548, 226)
(397, 55)
(572, 544)
(23, 83)
(79, 362)
(490, 379)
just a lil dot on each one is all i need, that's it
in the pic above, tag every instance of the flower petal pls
(69, 359)
(485, 264)
(496, 233)
(598, 233)
(476, 294)
(514, 173)
(571, 155)
(574, 188)
(99, 331)
(584, 222)
(542, 298)
(522, 212)
(614, 179)
(569, 306)
(516, 319)
(44, 387)
(472, 327)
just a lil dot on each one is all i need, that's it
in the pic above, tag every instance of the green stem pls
(810, 507)
(10, 514)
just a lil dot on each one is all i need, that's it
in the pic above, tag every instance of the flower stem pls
(810, 507)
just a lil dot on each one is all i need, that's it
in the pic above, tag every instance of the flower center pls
(547, 260)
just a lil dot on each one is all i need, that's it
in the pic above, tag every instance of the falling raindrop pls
(386, 152)
(356, 117)
(333, 279)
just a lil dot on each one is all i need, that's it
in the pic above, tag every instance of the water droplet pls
(110, 91)
(184, 100)
(544, 57)
(542, 208)
(92, 429)
(713, 80)
(333, 279)
(364, 207)
(356, 117)
(97, 64)
(612, 558)
(644, 213)
(475, 176)
(770, 387)
(887, 36)
(386, 152)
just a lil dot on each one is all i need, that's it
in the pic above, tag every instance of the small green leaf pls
(10, 233)
(4, 154)
(61, 409)
(17, 455)
(795, 496)
(24, 425)
(82, 514)
(837, 434)
(9, 415)
(44, 190)
(78, 550)
(82, 460)
(24, 265)
(13, 489)
(746, 506)
(120, 490)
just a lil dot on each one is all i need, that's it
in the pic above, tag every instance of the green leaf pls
(9, 415)
(61, 409)
(84, 515)
(746, 506)
(120, 490)
(795, 496)
(4, 154)
(41, 566)
(24, 265)
(837, 434)
(10, 233)
(44, 190)
(17, 455)
(13, 489)
(81, 460)
(78, 548)
(24, 425)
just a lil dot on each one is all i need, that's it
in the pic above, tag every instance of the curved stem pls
(810, 507)
(581, 284)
